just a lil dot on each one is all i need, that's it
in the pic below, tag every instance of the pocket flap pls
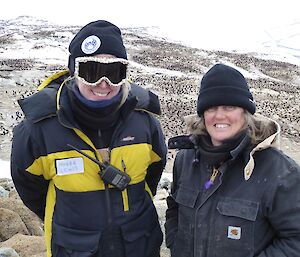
(238, 208)
(79, 240)
(186, 196)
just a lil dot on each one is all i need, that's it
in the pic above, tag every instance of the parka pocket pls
(186, 196)
(234, 231)
(143, 235)
(67, 242)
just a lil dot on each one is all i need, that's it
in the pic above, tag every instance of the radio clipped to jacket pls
(110, 174)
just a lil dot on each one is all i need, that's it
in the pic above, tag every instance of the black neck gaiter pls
(215, 155)
(97, 123)
(94, 118)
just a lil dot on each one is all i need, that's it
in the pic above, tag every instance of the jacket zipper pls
(198, 208)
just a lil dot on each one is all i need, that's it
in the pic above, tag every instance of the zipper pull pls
(123, 165)
(211, 181)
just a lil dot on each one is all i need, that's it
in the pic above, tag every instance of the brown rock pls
(10, 224)
(26, 246)
(33, 223)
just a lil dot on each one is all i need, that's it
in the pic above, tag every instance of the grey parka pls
(253, 209)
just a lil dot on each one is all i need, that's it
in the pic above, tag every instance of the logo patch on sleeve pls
(234, 232)
(128, 138)
(69, 166)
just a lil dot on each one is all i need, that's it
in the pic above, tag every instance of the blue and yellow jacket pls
(63, 187)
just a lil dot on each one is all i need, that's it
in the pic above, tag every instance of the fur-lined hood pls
(269, 140)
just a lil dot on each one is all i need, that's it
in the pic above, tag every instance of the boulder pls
(26, 246)
(33, 223)
(10, 224)
(8, 252)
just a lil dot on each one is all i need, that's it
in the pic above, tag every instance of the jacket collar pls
(272, 140)
(40, 105)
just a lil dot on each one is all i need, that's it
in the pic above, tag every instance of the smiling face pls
(223, 122)
(100, 92)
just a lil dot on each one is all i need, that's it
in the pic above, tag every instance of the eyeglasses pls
(93, 70)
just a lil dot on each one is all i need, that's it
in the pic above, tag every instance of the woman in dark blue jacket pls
(234, 194)
(92, 209)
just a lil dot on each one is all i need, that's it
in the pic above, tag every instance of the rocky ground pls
(170, 69)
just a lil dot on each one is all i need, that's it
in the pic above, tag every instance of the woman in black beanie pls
(234, 194)
(88, 157)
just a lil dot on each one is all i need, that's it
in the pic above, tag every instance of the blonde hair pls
(258, 127)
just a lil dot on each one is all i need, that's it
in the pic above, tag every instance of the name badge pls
(69, 166)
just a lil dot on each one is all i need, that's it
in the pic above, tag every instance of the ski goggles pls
(93, 70)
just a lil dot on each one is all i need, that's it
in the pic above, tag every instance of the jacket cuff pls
(171, 231)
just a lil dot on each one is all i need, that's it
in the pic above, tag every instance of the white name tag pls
(69, 166)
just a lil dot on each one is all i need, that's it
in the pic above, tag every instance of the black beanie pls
(97, 37)
(224, 85)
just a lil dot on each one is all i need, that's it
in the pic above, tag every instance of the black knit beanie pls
(224, 85)
(97, 37)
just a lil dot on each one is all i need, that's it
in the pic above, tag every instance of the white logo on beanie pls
(91, 44)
